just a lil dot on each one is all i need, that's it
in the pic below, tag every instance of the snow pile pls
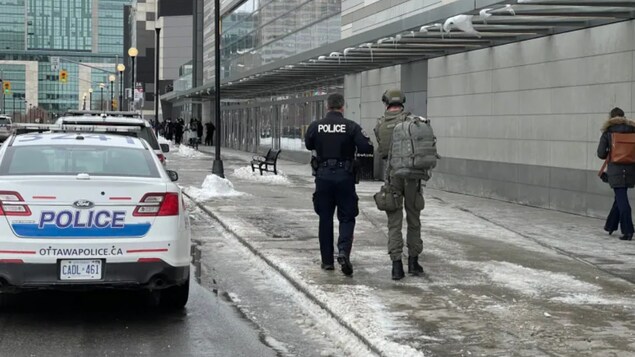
(163, 140)
(246, 173)
(186, 151)
(213, 187)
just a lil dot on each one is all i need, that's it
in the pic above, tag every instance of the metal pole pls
(90, 101)
(2, 82)
(217, 168)
(132, 87)
(121, 91)
(101, 99)
(112, 94)
(13, 103)
(157, 60)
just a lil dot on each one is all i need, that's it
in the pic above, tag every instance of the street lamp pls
(112, 79)
(84, 104)
(132, 52)
(101, 87)
(90, 99)
(121, 68)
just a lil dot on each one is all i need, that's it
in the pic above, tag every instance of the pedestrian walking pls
(617, 148)
(335, 140)
(402, 183)
(209, 138)
(178, 131)
(199, 132)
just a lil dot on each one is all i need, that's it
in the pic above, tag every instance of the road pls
(238, 307)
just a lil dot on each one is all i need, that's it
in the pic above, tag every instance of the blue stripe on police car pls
(92, 223)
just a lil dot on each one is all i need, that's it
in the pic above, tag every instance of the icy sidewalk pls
(501, 279)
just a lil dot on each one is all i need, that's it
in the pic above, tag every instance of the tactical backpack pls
(413, 150)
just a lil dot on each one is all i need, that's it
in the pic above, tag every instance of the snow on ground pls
(213, 187)
(186, 151)
(246, 173)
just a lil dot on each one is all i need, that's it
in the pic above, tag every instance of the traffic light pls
(63, 76)
(6, 86)
(115, 104)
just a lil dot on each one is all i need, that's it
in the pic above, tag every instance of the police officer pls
(409, 191)
(334, 140)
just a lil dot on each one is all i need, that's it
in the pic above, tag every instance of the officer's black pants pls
(335, 188)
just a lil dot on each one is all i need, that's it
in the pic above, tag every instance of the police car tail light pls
(158, 204)
(170, 206)
(9, 204)
(161, 157)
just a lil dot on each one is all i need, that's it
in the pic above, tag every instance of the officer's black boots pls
(328, 266)
(397, 270)
(345, 262)
(413, 266)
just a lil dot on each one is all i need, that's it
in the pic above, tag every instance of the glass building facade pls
(60, 25)
(259, 32)
(90, 32)
(12, 24)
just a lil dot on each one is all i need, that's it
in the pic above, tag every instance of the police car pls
(136, 126)
(5, 127)
(91, 210)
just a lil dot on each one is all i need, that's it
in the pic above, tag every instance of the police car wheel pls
(175, 297)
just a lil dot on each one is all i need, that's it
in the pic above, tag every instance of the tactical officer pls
(334, 140)
(407, 189)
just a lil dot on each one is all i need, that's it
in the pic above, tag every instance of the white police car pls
(90, 210)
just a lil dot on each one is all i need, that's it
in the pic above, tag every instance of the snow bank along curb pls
(295, 283)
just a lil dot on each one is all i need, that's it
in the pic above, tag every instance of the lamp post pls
(112, 79)
(121, 68)
(101, 100)
(217, 167)
(157, 44)
(84, 104)
(90, 99)
(132, 52)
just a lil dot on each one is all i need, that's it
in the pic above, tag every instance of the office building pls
(40, 38)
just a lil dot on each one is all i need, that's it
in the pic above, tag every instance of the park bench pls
(264, 162)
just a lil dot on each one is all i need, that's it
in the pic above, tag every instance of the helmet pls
(393, 96)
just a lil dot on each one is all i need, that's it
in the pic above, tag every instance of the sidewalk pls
(502, 279)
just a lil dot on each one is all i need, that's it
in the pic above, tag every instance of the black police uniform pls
(334, 139)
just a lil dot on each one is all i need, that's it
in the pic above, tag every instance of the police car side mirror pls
(174, 176)
(165, 147)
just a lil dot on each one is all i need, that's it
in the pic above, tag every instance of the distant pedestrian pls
(178, 131)
(199, 131)
(335, 140)
(209, 138)
(617, 147)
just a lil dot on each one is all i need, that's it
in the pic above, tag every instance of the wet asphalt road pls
(122, 324)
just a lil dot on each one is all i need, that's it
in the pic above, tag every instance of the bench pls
(263, 162)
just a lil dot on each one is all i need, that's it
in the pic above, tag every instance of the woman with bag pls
(616, 147)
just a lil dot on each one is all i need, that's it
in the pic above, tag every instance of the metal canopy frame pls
(418, 37)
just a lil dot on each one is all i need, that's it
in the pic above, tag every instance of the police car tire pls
(175, 297)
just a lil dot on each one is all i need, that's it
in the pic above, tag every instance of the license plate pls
(80, 269)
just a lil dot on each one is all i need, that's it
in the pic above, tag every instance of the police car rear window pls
(75, 159)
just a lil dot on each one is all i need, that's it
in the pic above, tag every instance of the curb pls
(292, 281)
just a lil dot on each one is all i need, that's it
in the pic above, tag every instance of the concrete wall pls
(176, 45)
(521, 122)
